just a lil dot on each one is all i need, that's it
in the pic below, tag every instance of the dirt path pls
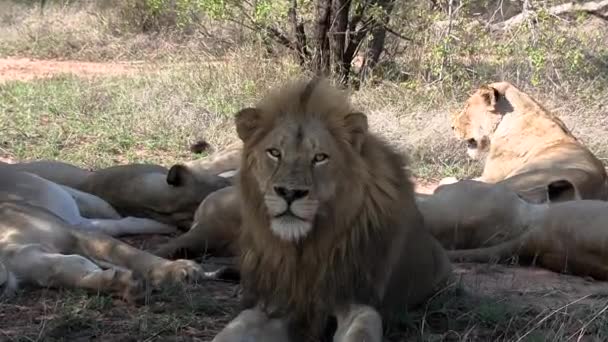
(24, 69)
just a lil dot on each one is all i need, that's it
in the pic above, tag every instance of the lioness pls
(54, 171)
(490, 222)
(24, 186)
(144, 190)
(150, 191)
(329, 220)
(223, 163)
(215, 229)
(69, 177)
(44, 242)
(516, 135)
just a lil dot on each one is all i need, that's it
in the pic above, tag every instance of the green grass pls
(183, 94)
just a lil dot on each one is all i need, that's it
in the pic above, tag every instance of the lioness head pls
(186, 190)
(294, 156)
(477, 121)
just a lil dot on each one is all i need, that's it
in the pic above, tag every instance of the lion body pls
(215, 230)
(489, 222)
(356, 225)
(223, 162)
(45, 242)
(170, 196)
(517, 135)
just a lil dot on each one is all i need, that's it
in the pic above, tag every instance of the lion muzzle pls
(291, 212)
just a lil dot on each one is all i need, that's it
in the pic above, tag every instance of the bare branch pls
(589, 7)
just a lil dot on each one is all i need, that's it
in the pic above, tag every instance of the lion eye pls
(320, 158)
(273, 153)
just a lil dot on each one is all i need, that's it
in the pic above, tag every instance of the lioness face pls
(295, 171)
(476, 123)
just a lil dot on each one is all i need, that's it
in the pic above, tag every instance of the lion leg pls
(580, 265)
(151, 267)
(359, 323)
(33, 264)
(91, 206)
(126, 226)
(253, 325)
(198, 241)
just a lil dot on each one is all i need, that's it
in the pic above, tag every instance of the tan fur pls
(55, 171)
(24, 186)
(144, 190)
(357, 323)
(490, 222)
(516, 135)
(44, 242)
(215, 230)
(70, 177)
(225, 160)
(169, 196)
(254, 325)
(365, 227)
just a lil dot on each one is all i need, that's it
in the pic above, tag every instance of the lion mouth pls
(289, 214)
(472, 143)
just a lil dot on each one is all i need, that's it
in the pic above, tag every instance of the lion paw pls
(123, 284)
(178, 271)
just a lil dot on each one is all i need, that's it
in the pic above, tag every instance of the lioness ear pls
(356, 124)
(490, 95)
(246, 121)
(561, 190)
(178, 175)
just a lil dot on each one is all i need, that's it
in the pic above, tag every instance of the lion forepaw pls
(178, 271)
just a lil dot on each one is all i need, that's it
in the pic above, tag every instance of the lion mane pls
(356, 240)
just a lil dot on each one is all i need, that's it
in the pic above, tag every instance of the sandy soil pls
(24, 69)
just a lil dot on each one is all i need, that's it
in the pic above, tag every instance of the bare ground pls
(25, 69)
(486, 302)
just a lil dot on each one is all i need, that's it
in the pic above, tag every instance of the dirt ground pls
(25, 69)
(489, 298)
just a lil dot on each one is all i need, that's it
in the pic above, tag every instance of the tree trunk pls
(321, 57)
(299, 33)
(376, 46)
(341, 66)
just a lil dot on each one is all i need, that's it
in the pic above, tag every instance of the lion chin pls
(290, 228)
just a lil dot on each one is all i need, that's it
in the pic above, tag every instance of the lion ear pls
(490, 95)
(178, 175)
(356, 125)
(247, 121)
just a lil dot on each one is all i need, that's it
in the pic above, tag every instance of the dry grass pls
(190, 88)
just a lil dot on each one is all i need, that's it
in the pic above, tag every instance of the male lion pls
(516, 135)
(329, 220)
(44, 242)
(490, 222)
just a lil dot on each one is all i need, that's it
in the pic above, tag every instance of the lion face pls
(300, 162)
(296, 164)
(476, 123)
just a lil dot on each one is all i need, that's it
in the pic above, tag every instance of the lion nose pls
(290, 195)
